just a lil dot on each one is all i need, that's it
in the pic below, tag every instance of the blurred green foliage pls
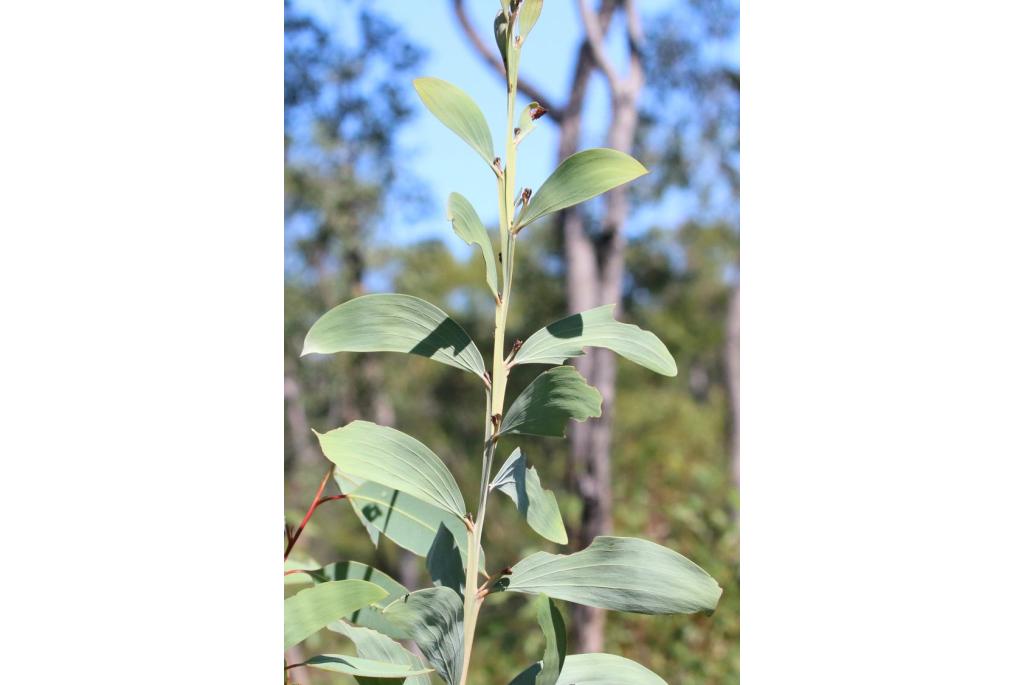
(672, 481)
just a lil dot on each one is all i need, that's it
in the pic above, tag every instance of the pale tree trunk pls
(594, 265)
(732, 366)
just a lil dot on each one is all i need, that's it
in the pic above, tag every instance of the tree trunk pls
(732, 366)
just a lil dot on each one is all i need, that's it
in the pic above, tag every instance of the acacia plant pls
(399, 488)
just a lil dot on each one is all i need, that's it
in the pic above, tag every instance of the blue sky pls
(442, 161)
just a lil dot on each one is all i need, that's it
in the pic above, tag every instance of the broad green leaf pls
(392, 458)
(408, 522)
(313, 608)
(443, 561)
(578, 178)
(530, 114)
(596, 328)
(468, 226)
(432, 618)
(456, 110)
(296, 563)
(363, 668)
(348, 484)
(538, 506)
(547, 404)
(388, 322)
(373, 645)
(553, 627)
(529, 12)
(623, 574)
(595, 669)
(369, 616)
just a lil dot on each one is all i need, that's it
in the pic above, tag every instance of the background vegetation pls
(673, 479)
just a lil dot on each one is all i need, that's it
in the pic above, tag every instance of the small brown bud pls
(537, 112)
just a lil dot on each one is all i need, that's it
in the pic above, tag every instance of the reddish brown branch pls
(317, 501)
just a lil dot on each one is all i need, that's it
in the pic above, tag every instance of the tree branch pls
(595, 38)
(526, 86)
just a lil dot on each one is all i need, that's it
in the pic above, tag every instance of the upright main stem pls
(499, 375)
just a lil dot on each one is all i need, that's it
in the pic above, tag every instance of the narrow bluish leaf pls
(578, 178)
(595, 669)
(596, 327)
(371, 644)
(444, 563)
(408, 522)
(309, 610)
(369, 616)
(389, 322)
(432, 618)
(547, 404)
(553, 627)
(363, 668)
(467, 225)
(622, 574)
(392, 458)
(456, 110)
(538, 506)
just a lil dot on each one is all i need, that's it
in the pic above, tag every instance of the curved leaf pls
(363, 668)
(392, 458)
(547, 404)
(456, 110)
(372, 645)
(538, 506)
(578, 178)
(311, 609)
(432, 618)
(369, 616)
(553, 627)
(408, 522)
(530, 114)
(596, 328)
(443, 562)
(623, 574)
(529, 12)
(595, 669)
(389, 322)
(468, 226)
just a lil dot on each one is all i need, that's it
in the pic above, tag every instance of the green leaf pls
(623, 574)
(295, 563)
(596, 328)
(388, 322)
(432, 618)
(578, 178)
(553, 627)
(595, 669)
(456, 110)
(538, 506)
(529, 12)
(444, 563)
(408, 522)
(373, 645)
(392, 458)
(554, 397)
(369, 616)
(349, 484)
(527, 118)
(468, 226)
(311, 609)
(363, 668)
(501, 35)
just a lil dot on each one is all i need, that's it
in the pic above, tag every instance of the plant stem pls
(317, 501)
(495, 404)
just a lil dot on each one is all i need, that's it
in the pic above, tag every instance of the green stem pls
(499, 376)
